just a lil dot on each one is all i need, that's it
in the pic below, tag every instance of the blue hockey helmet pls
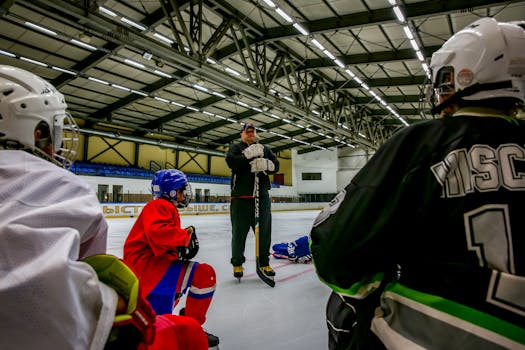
(167, 182)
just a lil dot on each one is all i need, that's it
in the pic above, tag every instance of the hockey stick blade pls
(265, 278)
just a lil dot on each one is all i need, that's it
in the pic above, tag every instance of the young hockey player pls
(424, 248)
(160, 251)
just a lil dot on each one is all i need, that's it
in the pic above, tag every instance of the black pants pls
(242, 215)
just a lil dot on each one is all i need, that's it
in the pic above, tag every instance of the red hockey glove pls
(137, 323)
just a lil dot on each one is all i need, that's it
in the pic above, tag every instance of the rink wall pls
(127, 210)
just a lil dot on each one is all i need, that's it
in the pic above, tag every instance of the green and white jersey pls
(439, 213)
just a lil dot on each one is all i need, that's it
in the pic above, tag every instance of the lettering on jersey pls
(482, 169)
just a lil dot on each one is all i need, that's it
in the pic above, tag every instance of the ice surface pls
(251, 315)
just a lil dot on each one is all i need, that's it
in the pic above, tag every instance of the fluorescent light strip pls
(318, 44)
(98, 81)
(7, 53)
(33, 61)
(198, 87)
(300, 29)
(300, 141)
(414, 45)
(134, 63)
(178, 104)
(218, 94)
(231, 71)
(211, 60)
(42, 29)
(132, 23)
(240, 103)
(139, 93)
(121, 87)
(408, 32)
(83, 44)
(257, 109)
(329, 54)
(208, 113)
(284, 15)
(107, 11)
(289, 99)
(350, 73)
(162, 74)
(163, 38)
(270, 3)
(399, 14)
(192, 108)
(339, 63)
(63, 70)
(420, 55)
(161, 99)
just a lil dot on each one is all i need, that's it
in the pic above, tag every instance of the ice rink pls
(251, 315)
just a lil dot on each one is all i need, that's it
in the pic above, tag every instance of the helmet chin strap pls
(470, 90)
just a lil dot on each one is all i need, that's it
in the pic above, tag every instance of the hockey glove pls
(254, 151)
(189, 252)
(137, 324)
(262, 164)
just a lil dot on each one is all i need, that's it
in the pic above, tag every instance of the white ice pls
(251, 315)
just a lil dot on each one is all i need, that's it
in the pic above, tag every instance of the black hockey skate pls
(213, 341)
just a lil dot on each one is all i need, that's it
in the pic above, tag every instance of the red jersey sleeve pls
(161, 223)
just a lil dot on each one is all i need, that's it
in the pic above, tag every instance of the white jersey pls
(49, 219)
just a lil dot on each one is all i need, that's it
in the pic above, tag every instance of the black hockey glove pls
(189, 252)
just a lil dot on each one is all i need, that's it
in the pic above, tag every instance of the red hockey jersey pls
(152, 243)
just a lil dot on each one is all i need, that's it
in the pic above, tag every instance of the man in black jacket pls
(248, 159)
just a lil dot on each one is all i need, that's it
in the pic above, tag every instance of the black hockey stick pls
(266, 279)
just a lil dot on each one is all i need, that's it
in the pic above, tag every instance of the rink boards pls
(126, 210)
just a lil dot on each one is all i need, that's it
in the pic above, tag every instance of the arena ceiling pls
(310, 74)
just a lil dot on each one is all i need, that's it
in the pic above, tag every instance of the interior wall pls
(323, 162)
(350, 161)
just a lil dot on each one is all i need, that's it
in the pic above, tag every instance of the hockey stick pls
(266, 279)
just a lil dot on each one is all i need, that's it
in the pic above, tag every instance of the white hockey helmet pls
(27, 100)
(482, 61)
